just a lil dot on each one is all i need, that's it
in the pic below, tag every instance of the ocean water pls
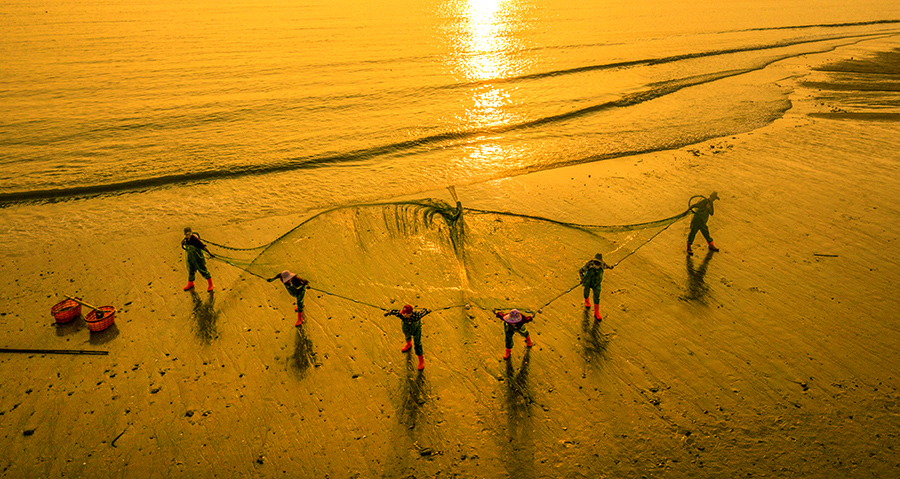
(235, 106)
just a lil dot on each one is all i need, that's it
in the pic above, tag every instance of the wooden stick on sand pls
(98, 312)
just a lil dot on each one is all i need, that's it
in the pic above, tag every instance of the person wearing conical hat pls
(702, 211)
(411, 324)
(591, 275)
(296, 287)
(514, 323)
(196, 262)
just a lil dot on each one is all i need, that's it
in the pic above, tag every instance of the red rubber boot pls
(597, 313)
(712, 247)
(299, 318)
(587, 302)
(690, 252)
(528, 341)
(421, 363)
(189, 286)
(209, 286)
(406, 346)
(506, 356)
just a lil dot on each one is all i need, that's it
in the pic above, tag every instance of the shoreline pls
(765, 358)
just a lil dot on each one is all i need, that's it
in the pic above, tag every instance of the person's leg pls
(416, 330)
(705, 231)
(192, 273)
(201, 268)
(407, 335)
(524, 332)
(508, 333)
(597, 315)
(693, 234)
(587, 292)
(709, 240)
(300, 296)
(417, 339)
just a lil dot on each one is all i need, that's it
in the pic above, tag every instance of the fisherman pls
(591, 275)
(412, 329)
(514, 323)
(296, 286)
(196, 262)
(702, 211)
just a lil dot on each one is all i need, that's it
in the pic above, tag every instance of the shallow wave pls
(449, 138)
(660, 60)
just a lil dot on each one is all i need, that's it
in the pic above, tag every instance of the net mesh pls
(434, 255)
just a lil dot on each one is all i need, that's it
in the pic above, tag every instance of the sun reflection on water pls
(483, 53)
(484, 42)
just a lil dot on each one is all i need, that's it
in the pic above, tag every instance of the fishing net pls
(434, 255)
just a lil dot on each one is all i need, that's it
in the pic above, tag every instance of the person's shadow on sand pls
(414, 396)
(697, 289)
(205, 315)
(593, 342)
(518, 449)
(304, 355)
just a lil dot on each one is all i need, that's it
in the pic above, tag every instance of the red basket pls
(66, 310)
(109, 317)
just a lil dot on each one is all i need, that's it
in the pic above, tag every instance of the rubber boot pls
(689, 250)
(209, 286)
(506, 356)
(421, 363)
(528, 341)
(712, 247)
(406, 346)
(299, 318)
(189, 286)
(597, 313)
(587, 302)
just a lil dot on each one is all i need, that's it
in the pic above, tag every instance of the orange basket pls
(65, 311)
(106, 320)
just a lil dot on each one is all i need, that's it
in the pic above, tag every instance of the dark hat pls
(407, 309)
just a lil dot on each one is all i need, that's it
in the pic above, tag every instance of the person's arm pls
(711, 209)
(393, 312)
(606, 266)
(195, 240)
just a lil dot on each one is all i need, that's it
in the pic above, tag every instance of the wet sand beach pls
(776, 356)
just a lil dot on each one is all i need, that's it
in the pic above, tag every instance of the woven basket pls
(65, 311)
(109, 317)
